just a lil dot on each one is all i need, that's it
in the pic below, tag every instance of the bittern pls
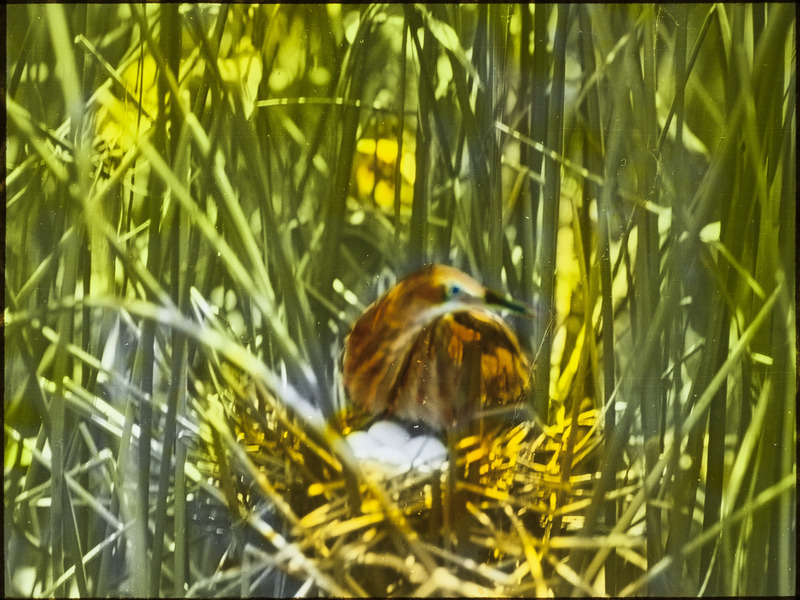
(432, 350)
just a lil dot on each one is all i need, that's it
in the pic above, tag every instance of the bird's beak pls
(496, 299)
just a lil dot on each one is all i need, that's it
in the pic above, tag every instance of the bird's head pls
(440, 289)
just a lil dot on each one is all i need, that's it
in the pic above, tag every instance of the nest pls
(496, 520)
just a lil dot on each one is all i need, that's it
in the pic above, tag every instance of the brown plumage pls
(432, 350)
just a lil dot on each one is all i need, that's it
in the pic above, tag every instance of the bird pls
(433, 350)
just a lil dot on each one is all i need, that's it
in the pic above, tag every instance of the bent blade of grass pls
(694, 419)
(264, 298)
(769, 495)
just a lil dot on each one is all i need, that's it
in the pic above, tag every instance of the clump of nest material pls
(493, 520)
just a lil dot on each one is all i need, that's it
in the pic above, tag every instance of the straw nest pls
(354, 519)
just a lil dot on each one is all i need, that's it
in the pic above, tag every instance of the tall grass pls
(200, 199)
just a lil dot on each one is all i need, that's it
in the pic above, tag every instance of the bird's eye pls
(454, 290)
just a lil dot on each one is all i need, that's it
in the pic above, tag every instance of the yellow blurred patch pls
(123, 117)
(375, 171)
